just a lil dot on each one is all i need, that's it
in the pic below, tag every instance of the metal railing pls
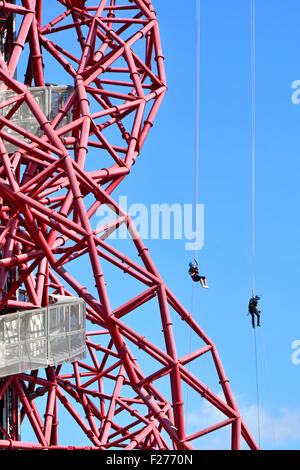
(42, 337)
(50, 98)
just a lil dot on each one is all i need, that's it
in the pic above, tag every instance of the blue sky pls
(165, 174)
(225, 191)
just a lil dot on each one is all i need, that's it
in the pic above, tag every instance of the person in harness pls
(254, 311)
(194, 273)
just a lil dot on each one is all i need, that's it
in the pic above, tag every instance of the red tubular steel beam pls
(62, 170)
(210, 429)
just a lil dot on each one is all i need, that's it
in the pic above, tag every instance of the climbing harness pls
(253, 148)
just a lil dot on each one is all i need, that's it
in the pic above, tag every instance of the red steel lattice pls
(51, 186)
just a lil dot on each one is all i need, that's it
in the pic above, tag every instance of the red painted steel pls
(129, 393)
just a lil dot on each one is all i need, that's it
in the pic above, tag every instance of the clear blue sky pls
(225, 190)
(165, 174)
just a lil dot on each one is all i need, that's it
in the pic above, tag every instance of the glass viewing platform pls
(43, 337)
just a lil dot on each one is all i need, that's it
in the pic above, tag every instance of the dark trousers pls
(253, 318)
(196, 278)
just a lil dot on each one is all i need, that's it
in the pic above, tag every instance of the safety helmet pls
(257, 297)
(191, 264)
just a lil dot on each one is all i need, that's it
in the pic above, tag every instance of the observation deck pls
(42, 337)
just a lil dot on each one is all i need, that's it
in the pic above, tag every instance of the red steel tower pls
(64, 149)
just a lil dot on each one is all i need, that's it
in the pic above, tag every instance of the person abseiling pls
(254, 311)
(194, 273)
